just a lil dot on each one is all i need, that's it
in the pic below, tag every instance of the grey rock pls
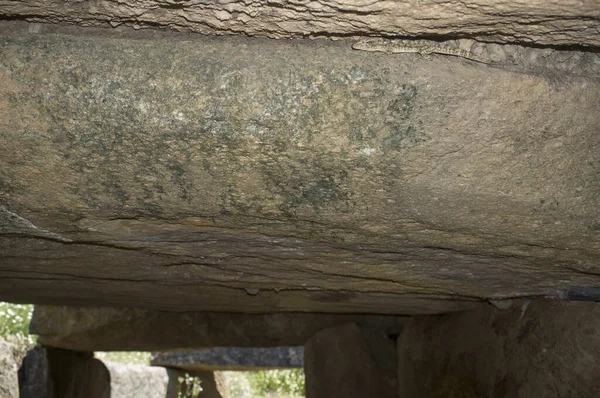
(232, 358)
(125, 329)
(50, 372)
(9, 366)
(128, 381)
(549, 348)
(34, 375)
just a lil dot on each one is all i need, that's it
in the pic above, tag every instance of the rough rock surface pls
(9, 367)
(128, 381)
(232, 358)
(34, 375)
(254, 175)
(548, 348)
(351, 362)
(50, 372)
(545, 22)
(111, 329)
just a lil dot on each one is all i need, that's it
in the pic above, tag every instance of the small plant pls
(189, 386)
(14, 327)
(14, 321)
(288, 382)
(239, 386)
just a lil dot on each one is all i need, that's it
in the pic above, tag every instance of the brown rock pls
(251, 175)
(534, 21)
(78, 374)
(546, 349)
(351, 362)
(128, 381)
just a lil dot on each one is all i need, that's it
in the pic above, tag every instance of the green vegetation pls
(127, 357)
(189, 387)
(14, 321)
(283, 383)
(278, 381)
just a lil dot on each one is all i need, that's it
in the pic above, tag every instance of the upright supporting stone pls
(56, 373)
(34, 375)
(351, 362)
(78, 374)
(546, 348)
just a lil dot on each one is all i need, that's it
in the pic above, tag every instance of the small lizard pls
(422, 47)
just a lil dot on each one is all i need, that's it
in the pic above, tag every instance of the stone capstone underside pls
(253, 175)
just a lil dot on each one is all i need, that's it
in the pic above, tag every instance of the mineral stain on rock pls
(350, 182)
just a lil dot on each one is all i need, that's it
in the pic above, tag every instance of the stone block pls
(236, 174)
(351, 362)
(548, 348)
(34, 375)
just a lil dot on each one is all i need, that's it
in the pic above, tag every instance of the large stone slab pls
(123, 329)
(250, 175)
(232, 358)
(535, 21)
(547, 348)
(351, 362)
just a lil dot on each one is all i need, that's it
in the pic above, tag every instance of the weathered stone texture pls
(111, 329)
(254, 175)
(232, 358)
(9, 366)
(34, 375)
(351, 362)
(546, 349)
(50, 372)
(128, 381)
(546, 22)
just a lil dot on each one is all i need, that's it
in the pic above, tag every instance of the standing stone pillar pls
(34, 375)
(78, 374)
(544, 348)
(49, 372)
(351, 362)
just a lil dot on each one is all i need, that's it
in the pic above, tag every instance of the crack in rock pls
(12, 223)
